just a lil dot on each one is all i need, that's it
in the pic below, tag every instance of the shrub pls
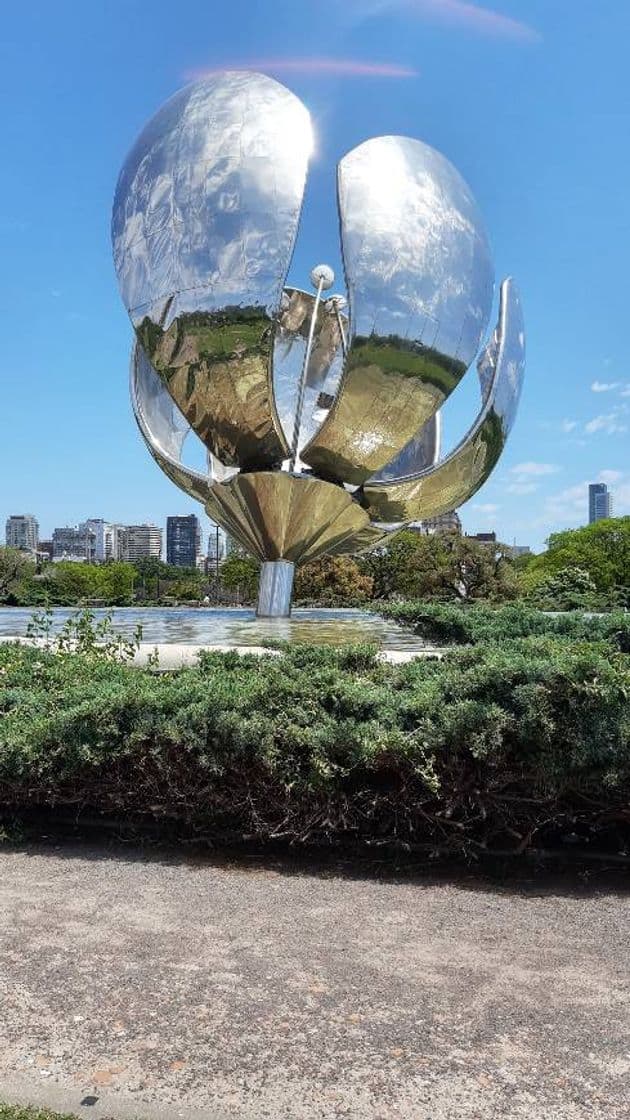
(446, 625)
(84, 633)
(495, 746)
(574, 589)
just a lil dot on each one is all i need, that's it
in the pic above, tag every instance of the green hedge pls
(25, 1112)
(473, 625)
(491, 748)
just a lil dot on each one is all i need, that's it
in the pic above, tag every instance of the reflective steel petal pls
(420, 285)
(364, 540)
(453, 481)
(422, 452)
(281, 516)
(205, 218)
(325, 363)
(162, 426)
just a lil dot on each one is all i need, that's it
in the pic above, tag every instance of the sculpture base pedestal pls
(275, 589)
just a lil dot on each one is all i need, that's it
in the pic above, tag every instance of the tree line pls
(587, 568)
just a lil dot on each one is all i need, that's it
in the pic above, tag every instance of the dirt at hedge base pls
(164, 986)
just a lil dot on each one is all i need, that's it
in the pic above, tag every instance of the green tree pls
(152, 566)
(15, 569)
(479, 571)
(441, 566)
(567, 590)
(333, 581)
(117, 582)
(156, 579)
(68, 583)
(240, 574)
(601, 549)
(190, 587)
(71, 582)
(573, 589)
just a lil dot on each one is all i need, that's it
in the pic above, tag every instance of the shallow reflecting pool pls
(233, 626)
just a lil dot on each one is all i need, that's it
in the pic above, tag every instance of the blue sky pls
(530, 100)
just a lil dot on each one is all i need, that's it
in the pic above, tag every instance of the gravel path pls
(155, 987)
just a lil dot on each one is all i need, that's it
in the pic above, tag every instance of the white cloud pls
(604, 386)
(487, 507)
(570, 506)
(625, 392)
(607, 422)
(522, 487)
(534, 470)
(621, 498)
(568, 425)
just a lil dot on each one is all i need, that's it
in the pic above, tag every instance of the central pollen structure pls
(319, 412)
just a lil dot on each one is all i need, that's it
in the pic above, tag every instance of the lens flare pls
(336, 67)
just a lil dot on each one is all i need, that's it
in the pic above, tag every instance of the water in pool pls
(233, 626)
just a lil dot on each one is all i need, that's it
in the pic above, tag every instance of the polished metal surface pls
(420, 285)
(324, 367)
(322, 278)
(205, 219)
(453, 481)
(275, 589)
(277, 515)
(421, 452)
(321, 424)
(162, 426)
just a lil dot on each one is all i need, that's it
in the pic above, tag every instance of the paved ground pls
(157, 987)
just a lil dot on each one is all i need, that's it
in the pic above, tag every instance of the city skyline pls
(96, 539)
(599, 502)
(535, 142)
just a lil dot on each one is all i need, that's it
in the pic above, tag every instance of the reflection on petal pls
(281, 516)
(162, 426)
(464, 471)
(205, 219)
(420, 284)
(422, 452)
(324, 367)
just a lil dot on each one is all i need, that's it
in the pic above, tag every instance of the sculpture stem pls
(275, 589)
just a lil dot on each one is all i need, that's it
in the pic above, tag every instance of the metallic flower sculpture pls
(321, 426)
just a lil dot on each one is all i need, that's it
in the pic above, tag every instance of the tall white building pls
(22, 531)
(217, 542)
(139, 541)
(108, 539)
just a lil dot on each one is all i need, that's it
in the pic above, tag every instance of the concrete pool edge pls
(178, 655)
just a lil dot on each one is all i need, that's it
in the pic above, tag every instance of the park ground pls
(137, 985)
